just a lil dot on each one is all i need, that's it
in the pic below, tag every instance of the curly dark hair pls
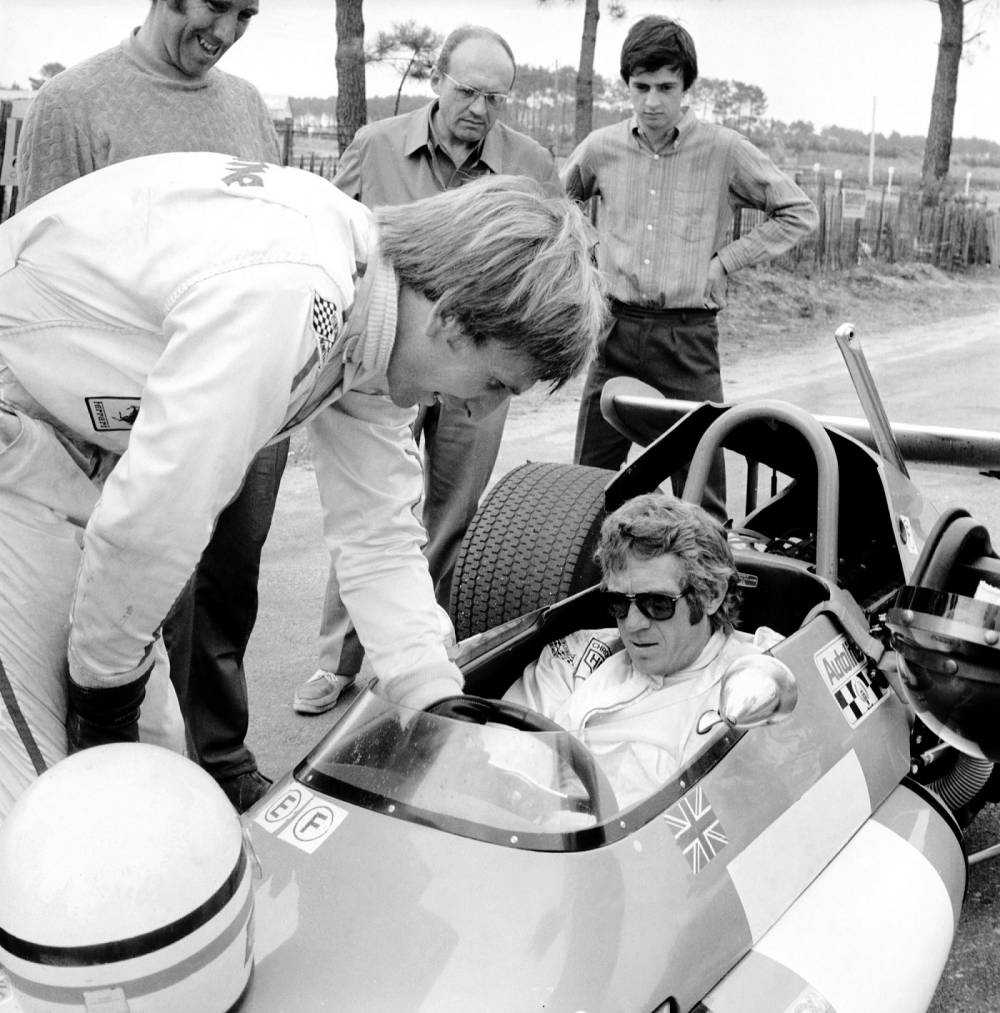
(656, 524)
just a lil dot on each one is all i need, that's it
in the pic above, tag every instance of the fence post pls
(821, 207)
(878, 227)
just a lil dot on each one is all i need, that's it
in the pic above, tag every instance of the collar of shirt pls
(370, 332)
(420, 134)
(684, 127)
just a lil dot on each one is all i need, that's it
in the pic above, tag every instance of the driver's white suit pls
(182, 311)
(641, 728)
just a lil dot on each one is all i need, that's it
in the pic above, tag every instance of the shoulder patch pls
(594, 654)
(111, 414)
(326, 323)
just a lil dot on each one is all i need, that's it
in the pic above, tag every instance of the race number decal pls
(300, 818)
(110, 414)
(845, 671)
(697, 830)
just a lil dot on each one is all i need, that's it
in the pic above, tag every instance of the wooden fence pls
(857, 225)
(322, 165)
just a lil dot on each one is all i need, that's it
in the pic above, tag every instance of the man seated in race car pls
(163, 319)
(634, 693)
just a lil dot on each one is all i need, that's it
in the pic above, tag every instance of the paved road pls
(948, 374)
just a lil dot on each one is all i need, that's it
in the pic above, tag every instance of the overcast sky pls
(817, 60)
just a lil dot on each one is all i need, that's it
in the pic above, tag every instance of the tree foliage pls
(410, 48)
(48, 71)
(352, 109)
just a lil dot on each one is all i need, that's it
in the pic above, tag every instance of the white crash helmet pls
(125, 886)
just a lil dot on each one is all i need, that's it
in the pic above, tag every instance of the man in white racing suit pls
(634, 693)
(163, 319)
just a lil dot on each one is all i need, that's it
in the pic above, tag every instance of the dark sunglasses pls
(655, 605)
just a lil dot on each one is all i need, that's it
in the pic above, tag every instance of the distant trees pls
(48, 71)
(352, 110)
(732, 103)
(584, 90)
(410, 48)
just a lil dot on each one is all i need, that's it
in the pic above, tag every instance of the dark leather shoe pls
(244, 789)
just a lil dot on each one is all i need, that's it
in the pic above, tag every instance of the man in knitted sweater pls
(159, 91)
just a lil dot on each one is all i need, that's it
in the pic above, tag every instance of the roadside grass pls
(771, 311)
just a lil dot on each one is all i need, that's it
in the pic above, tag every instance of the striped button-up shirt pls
(665, 214)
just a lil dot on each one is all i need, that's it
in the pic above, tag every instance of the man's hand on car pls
(423, 686)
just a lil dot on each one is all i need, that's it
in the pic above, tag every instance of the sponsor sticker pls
(283, 807)
(313, 825)
(907, 535)
(111, 414)
(845, 671)
(697, 830)
(301, 818)
(746, 579)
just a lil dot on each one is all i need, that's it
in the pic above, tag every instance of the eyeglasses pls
(655, 605)
(494, 99)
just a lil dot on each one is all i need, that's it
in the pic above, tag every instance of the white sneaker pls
(320, 692)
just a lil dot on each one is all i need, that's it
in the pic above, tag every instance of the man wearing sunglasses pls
(634, 692)
(445, 144)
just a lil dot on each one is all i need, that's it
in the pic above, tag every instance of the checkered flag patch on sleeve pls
(326, 324)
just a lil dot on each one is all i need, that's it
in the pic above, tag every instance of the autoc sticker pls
(845, 671)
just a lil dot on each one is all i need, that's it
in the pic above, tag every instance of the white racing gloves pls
(423, 686)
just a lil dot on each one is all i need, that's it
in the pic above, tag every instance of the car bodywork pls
(414, 861)
(793, 865)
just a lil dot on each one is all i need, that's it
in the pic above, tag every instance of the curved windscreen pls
(529, 789)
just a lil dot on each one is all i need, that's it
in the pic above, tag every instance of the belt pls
(682, 314)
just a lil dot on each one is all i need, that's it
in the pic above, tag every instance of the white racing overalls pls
(182, 311)
(641, 728)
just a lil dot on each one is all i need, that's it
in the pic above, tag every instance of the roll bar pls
(827, 471)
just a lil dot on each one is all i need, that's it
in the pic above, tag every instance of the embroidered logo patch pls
(844, 669)
(697, 830)
(594, 654)
(326, 324)
(111, 414)
(243, 173)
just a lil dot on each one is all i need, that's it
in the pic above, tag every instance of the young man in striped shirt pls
(668, 185)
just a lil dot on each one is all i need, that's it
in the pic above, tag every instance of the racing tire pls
(531, 543)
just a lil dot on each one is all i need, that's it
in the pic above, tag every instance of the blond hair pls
(508, 264)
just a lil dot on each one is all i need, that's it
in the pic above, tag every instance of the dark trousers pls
(676, 351)
(208, 629)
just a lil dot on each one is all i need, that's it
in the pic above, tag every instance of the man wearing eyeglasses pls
(635, 691)
(452, 140)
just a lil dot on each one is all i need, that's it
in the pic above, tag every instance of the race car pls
(475, 856)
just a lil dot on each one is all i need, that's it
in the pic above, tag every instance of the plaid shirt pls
(664, 215)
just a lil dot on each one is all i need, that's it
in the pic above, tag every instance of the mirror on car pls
(756, 689)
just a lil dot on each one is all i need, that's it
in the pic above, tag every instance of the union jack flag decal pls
(697, 830)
